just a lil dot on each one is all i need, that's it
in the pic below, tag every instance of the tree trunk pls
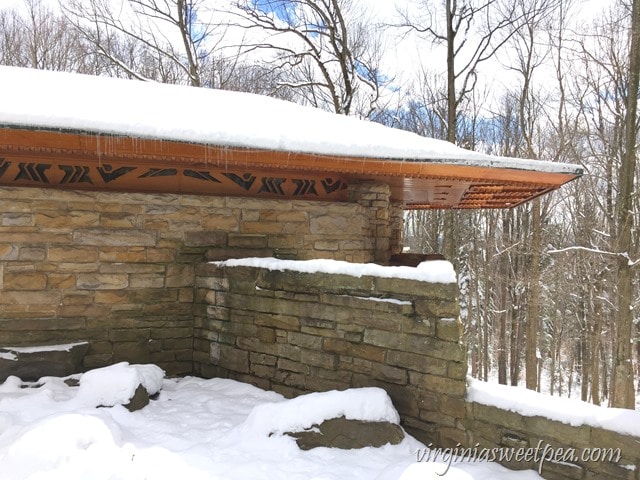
(503, 279)
(623, 395)
(533, 314)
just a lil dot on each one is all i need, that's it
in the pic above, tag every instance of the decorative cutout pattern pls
(34, 172)
(75, 174)
(272, 185)
(123, 177)
(109, 175)
(246, 181)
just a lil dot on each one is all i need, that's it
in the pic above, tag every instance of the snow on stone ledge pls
(368, 404)
(561, 409)
(116, 384)
(65, 347)
(436, 271)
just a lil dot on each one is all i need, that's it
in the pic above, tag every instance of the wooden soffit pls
(86, 161)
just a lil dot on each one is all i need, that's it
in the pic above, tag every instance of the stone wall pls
(570, 452)
(295, 332)
(117, 269)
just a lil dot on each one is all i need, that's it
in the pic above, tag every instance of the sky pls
(403, 55)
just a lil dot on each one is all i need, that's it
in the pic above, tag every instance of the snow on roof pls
(67, 101)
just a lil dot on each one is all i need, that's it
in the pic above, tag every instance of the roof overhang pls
(100, 133)
(106, 162)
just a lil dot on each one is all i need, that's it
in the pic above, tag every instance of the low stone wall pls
(559, 451)
(295, 332)
(118, 270)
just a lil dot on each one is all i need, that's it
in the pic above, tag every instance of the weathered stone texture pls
(94, 265)
(612, 455)
(294, 331)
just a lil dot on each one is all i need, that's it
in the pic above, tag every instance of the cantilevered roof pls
(75, 131)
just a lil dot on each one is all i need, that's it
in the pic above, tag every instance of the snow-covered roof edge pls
(105, 105)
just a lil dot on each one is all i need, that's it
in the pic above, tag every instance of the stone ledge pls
(33, 363)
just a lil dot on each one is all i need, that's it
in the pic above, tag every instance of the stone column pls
(397, 228)
(375, 198)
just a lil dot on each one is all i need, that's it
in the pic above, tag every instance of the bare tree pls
(623, 395)
(326, 50)
(37, 37)
(472, 31)
(167, 40)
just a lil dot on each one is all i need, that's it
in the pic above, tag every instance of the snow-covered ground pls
(196, 429)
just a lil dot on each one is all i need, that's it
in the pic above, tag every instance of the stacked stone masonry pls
(296, 332)
(570, 452)
(118, 270)
(128, 274)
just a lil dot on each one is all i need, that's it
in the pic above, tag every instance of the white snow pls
(116, 384)
(198, 430)
(301, 413)
(216, 117)
(436, 271)
(566, 410)
(65, 347)
(386, 300)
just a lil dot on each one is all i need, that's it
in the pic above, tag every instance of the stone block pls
(437, 307)
(256, 345)
(561, 432)
(389, 374)
(214, 238)
(247, 240)
(293, 366)
(230, 358)
(304, 340)
(315, 383)
(132, 352)
(317, 323)
(29, 297)
(25, 281)
(115, 237)
(449, 329)
(8, 252)
(348, 434)
(133, 254)
(66, 219)
(33, 363)
(438, 384)
(290, 379)
(497, 416)
(35, 254)
(263, 359)
(180, 275)
(421, 291)
(148, 280)
(319, 359)
(282, 322)
(61, 281)
(343, 347)
(451, 437)
(417, 362)
(120, 220)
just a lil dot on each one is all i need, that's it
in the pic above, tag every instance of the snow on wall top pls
(435, 271)
(57, 100)
(561, 409)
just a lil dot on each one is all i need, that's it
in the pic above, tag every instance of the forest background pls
(548, 288)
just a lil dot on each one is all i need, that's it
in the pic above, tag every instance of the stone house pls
(115, 195)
